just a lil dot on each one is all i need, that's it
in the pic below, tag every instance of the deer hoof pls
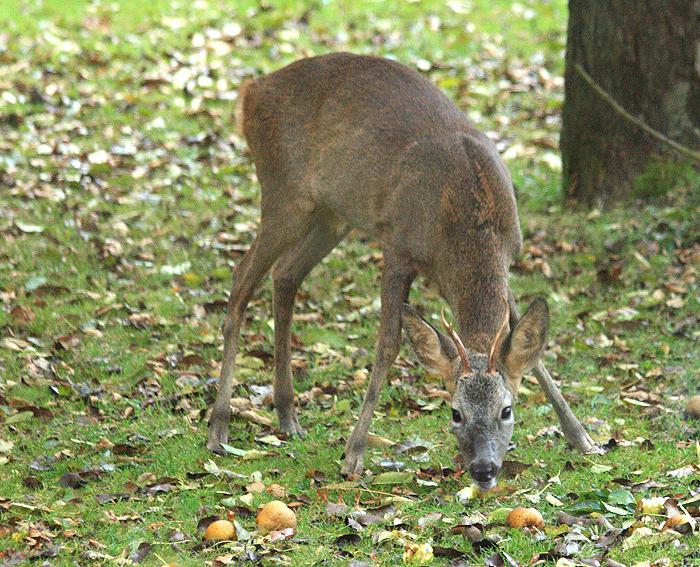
(218, 434)
(215, 446)
(353, 465)
(290, 426)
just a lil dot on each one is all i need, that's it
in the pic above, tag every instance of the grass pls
(113, 268)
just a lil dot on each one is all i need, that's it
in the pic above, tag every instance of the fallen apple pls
(221, 530)
(274, 516)
(524, 518)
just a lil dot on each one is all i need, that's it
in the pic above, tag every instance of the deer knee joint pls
(387, 355)
(228, 327)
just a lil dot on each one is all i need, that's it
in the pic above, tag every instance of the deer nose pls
(483, 471)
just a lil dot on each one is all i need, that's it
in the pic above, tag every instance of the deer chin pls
(486, 486)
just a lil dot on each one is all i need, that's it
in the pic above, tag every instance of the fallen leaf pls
(393, 477)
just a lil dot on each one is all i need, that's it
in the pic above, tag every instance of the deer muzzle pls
(484, 473)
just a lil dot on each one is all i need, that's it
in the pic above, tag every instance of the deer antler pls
(458, 344)
(497, 340)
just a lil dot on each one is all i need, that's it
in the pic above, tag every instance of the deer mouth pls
(484, 472)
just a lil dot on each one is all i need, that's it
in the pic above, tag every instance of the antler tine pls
(458, 344)
(497, 340)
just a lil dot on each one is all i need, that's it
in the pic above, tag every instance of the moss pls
(664, 178)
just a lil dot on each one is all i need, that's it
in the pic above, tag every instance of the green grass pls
(142, 344)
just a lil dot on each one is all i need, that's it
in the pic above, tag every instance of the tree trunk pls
(646, 55)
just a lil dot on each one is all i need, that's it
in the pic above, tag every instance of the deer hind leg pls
(275, 237)
(287, 275)
(396, 283)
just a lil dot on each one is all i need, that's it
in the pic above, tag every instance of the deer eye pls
(506, 412)
(456, 416)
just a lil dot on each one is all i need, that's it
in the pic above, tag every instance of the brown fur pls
(240, 110)
(344, 141)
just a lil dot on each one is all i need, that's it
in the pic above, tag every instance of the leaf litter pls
(66, 193)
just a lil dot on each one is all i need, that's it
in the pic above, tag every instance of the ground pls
(126, 197)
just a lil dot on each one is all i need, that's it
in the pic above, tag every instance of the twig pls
(362, 489)
(637, 121)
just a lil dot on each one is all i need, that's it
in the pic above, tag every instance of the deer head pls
(483, 386)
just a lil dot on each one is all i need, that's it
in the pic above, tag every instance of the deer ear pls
(434, 350)
(526, 342)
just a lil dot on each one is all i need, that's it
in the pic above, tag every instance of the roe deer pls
(343, 141)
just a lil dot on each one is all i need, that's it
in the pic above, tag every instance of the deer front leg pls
(571, 427)
(574, 432)
(395, 287)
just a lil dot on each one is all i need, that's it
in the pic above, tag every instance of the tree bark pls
(646, 55)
